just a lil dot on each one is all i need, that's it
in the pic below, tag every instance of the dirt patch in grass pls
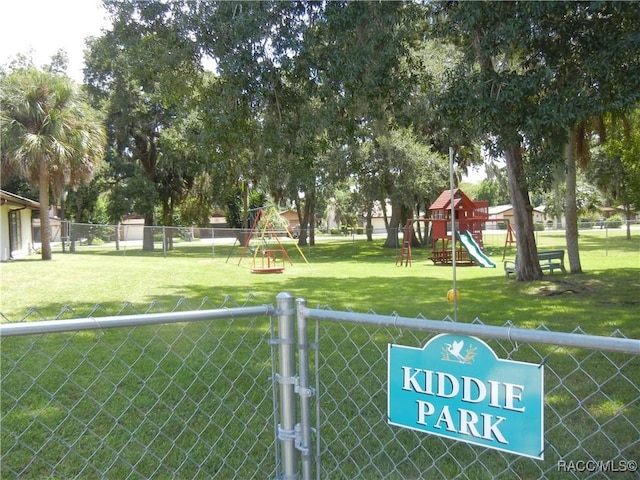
(562, 287)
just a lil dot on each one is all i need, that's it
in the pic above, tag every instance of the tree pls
(535, 80)
(615, 165)
(592, 67)
(368, 77)
(50, 134)
(405, 171)
(493, 191)
(489, 83)
(299, 85)
(145, 73)
(266, 117)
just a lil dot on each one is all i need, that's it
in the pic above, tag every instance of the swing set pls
(268, 253)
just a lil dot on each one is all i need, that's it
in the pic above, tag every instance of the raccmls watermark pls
(608, 466)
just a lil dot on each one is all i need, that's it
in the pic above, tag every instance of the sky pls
(47, 26)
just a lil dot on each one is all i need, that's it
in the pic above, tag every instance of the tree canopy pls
(535, 80)
(210, 104)
(50, 135)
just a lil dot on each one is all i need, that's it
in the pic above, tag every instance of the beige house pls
(504, 213)
(291, 216)
(16, 226)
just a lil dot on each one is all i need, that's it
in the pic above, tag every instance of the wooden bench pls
(549, 260)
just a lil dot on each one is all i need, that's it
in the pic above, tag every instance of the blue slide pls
(475, 252)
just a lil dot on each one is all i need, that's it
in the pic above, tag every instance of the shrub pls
(587, 221)
(614, 221)
(585, 224)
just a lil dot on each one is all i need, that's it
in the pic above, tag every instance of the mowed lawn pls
(138, 401)
(343, 273)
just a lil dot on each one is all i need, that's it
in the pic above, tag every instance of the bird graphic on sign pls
(455, 349)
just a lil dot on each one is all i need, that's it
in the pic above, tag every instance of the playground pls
(268, 253)
(459, 241)
(343, 273)
(350, 271)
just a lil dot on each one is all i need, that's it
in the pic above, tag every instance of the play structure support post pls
(453, 236)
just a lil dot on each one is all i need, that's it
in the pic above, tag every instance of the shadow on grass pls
(322, 253)
(597, 302)
(326, 251)
(618, 243)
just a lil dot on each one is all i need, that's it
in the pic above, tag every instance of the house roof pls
(497, 209)
(8, 198)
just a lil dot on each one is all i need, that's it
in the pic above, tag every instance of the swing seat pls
(271, 263)
(267, 270)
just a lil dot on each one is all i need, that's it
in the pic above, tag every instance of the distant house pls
(500, 214)
(16, 226)
(377, 215)
(620, 210)
(291, 216)
(131, 228)
(504, 213)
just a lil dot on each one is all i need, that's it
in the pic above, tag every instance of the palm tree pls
(49, 135)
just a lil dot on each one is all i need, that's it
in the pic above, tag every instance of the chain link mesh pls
(191, 400)
(592, 414)
(187, 400)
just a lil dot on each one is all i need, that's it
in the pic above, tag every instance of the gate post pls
(305, 391)
(287, 379)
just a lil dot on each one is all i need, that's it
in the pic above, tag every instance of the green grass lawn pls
(342, 273)
(134, 391)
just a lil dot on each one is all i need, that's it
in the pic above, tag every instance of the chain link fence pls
(223, 242)
(194, 394)
(167, 397)
(591, 405)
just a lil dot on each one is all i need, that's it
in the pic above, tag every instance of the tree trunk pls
(64, 226)
(385, 215)
(571, 211)
(312, 222)
(45, 224)
(245, 205)
(147, 234)
(559, 178)
(304, 223)
(394, 225)
(369, 226)
(167, 221)
(527, 254)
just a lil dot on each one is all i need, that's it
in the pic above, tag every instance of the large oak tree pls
(532, 74)
(144, 72)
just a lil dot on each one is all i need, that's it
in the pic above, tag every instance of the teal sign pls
(456, 387)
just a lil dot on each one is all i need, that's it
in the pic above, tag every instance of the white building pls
(16, 230)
